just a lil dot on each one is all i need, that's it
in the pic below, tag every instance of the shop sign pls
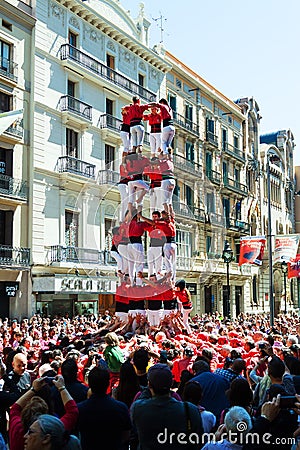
(75, 285)
(192, 287)
(11, 289)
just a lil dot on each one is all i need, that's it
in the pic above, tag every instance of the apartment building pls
(16, 44)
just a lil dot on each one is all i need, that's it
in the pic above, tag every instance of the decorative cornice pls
(86, 13)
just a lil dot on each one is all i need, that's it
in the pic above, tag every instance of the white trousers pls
(154, 317)
(167, 189)
(155, 195)
(185, 319)
(167, 135)
(154, 260)
(119, 260)
(134, 189)
(137, 135)
(125, 137)
(123, 251)
(135, 262)
(170, 249)
(123, 189)
(155, 142)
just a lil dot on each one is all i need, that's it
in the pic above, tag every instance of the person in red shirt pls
(168, 130)
(137, 187)
(125, 130)
(155, 193)
(184, 298)
(167, 225)
(137, 129)
(154, 119)
(136, 249)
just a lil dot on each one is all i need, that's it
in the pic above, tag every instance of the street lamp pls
(227, 256)
(271, 157)
(284, 270)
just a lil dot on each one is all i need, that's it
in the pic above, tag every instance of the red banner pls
(294, 267)
(252, 250)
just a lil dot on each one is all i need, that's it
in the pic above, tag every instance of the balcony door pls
(6, 227)
(110, 62)
(72, 143)
(208, 164)
(5, 56)
(71, 235)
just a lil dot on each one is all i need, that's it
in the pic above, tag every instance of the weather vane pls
(160, 21)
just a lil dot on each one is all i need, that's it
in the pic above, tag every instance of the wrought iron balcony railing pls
(13, 187)
(72, 104)
(113, 123)
(185, 123)
(212, 138)
(182, 163)
(233, 151)
(68, 52)
(60, 253)
(213, 176)
(235, 185)
(74, 165)
(108, 177)
(238, 225)
(14, 256)
(8, 69)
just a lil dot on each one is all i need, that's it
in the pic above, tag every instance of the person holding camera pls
(33, 403)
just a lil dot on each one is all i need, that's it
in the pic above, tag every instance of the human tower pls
(157, 295)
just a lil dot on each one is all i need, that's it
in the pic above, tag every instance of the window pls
(72, 143)
(109, 106)
(237, 176)
(6, 102)
(5, 56)
(6, 228)
(71, 230)
(210, 126)
(172, 101)
(71, 88)
(210, 202)
(225, 172)
(226, 209)
(72, 39)
(109, 156)
(238, 212)
(189, 113)
(236, 143)
(189, 151)
(184, 243)
(110, 62)
(141, 83)
(178, 83)
(208, 163)
(189, 196)
(208, 244)
(224, 139)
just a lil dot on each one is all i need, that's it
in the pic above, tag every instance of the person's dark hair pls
(69, 370)
(234, 354)
(135, 99)
(180, 284)
(200, 366)
(164, 101)
(141, 359)
(128, 385)
(274, 390)
(293, 364)
(46, 356)
(238, 365)
(270, 339)
(276, 368)
(185, 376)
(207, 353)
(32, 410)
(192, 392)
(98, 380)
(240, 393)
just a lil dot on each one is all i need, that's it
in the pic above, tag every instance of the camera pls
(287, 401)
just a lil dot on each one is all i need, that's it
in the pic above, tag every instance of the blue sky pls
(242, 48)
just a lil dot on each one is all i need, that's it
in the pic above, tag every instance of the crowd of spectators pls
(92, 382)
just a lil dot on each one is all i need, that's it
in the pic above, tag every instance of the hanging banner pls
(286, 247)
(294, 267)
(8, 118)
(252, 250)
